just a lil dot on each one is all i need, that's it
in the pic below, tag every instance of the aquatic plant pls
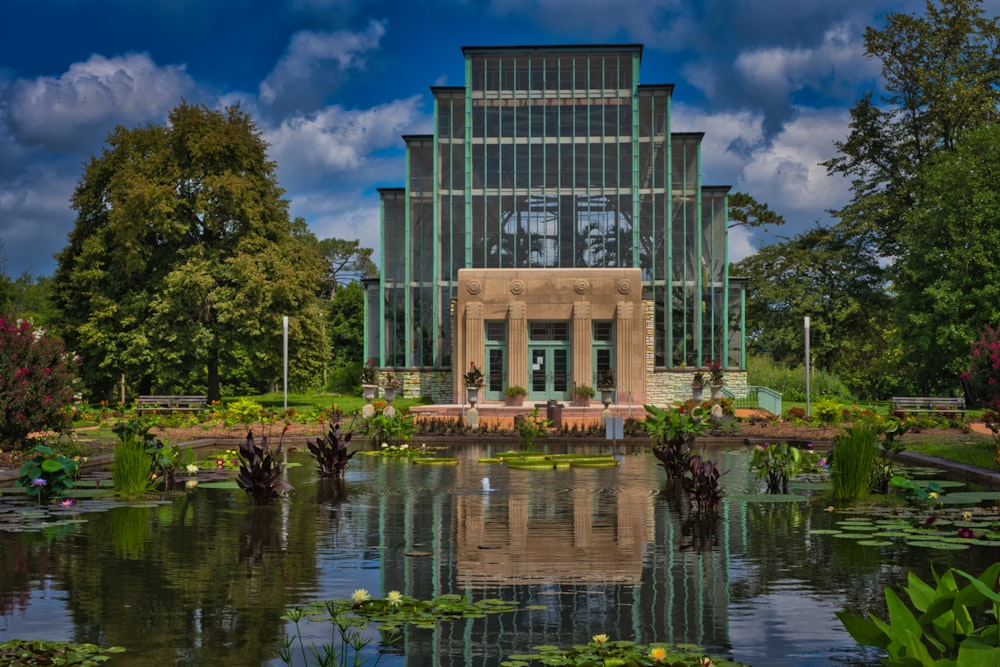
(673, 432)
(775, 463)
(260, 470)
(853, 461)
(601, 650)
(701, 483)
(40, 652)
(943, 632)
(46, 475)
(330, 452)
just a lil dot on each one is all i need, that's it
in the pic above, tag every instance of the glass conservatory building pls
(552, 227)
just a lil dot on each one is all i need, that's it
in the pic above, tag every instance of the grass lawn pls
(981, 453)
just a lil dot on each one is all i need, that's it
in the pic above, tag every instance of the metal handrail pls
(762, 398)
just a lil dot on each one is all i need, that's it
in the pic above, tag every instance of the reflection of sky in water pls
(44, 614)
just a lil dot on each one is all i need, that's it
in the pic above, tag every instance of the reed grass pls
(130, 469)
(854, 453)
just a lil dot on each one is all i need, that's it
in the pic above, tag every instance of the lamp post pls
(807, 366)
(284, 334)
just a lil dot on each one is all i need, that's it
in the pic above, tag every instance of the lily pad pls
(942, 546)
(874, 543)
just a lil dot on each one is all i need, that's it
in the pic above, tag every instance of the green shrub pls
(791, 382)
(828, 412)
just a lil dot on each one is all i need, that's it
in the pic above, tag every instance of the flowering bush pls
(36, 382)
(983, 376)
(368, 372)
(606, 378)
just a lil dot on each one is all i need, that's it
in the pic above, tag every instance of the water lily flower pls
(38, 481)
(360, 595)
(192, 468)
(658, 654)
(966, 532)
(394, 598)
(706, 661)
(932, 495)
(384, 445)
(601, 638)
(967, 515)
(190, 484)
(69, 502)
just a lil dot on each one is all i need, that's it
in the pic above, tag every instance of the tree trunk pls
(214, 394)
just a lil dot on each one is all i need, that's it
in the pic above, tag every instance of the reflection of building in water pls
(595, 547)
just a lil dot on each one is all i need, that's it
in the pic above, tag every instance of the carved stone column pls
(475, 345)
(517, 345)
(630, 363)
(582, 344)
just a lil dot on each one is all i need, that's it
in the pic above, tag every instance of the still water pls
(201, 578)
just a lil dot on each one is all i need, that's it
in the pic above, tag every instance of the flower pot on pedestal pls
(716, 391)
(368, 391)
(472, 394)
(389, 394)
(697, 393)
(607, 395)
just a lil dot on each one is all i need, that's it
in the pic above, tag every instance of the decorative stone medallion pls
(624, 286)
(517, 287)
(473, 287)
(581, 286)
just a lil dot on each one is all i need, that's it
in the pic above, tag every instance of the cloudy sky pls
(334, 83)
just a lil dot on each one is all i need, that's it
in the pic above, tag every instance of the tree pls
(345, 261)
(941, 76)
(183, 260)
(948, 271)
(746, 211)
(832, 278)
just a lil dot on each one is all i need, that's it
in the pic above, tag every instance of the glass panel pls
(539, 368)
(560, 370)
(495, 369)
(496, 331)
(603, 330)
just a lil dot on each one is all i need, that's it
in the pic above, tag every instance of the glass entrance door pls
(550, 353)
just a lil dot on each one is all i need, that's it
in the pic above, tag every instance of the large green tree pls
(836, 281)
(941, 75)
(948, 271)
(345, 262)
(183, 260)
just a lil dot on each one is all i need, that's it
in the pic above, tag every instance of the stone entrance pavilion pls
(550, 227)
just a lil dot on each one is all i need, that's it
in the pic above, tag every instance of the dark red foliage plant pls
(37, 381)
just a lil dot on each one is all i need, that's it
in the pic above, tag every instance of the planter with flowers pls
(581, 395)
(606, 385)
(390, 385)
(473, 383)
(368, 380)
(698, 383)
(514, 395)
(715, 376)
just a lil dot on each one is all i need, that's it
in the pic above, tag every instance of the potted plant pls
(698, 385)
(606, 384)
(581, 395)
(715, 376)
(514, 395)
(368, 379)
(390, 385)
(473, 381)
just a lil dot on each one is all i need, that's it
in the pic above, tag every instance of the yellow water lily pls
(360, 595)
(967, 515)
(394, 598)
(601, 638)
(658, 654)
(932, 495)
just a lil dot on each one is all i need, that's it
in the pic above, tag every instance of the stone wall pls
(670, 386)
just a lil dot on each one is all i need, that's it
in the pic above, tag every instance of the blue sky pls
(333, 84)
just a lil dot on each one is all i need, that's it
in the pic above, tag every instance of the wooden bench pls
(928, 404)
(170, 403)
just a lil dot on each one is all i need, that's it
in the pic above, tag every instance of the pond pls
(202, 578)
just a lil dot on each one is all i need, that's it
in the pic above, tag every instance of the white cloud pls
(836, 61)
(740, 245)
(314, 64)
(342, 141)
(78, 108)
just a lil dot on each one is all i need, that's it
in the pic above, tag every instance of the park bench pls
(170, 403)
(928, 404)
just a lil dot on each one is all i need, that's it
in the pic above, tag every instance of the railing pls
(760, 398)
